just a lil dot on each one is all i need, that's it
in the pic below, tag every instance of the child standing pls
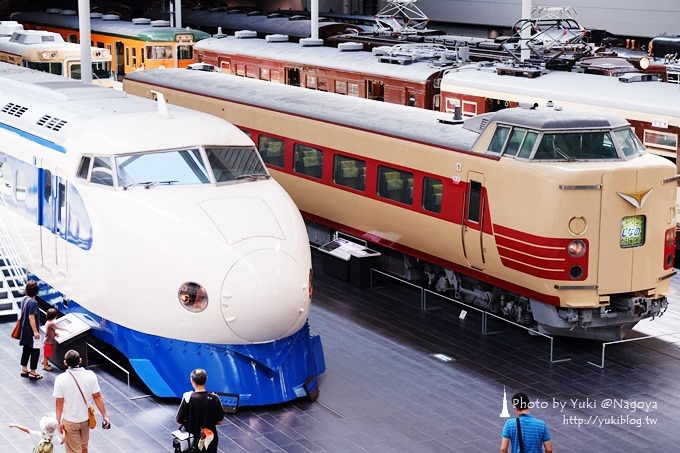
(51, 328)
(48, 427)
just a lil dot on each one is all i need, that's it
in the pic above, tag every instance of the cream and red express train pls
(161, 228)
(547, 216)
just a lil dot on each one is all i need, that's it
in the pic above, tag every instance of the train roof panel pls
(112, 27)
(61, 111)
(330, 57)
(569, 89)
(420, 125)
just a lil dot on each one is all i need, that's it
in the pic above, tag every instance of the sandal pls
(24, 374)
(47, 368)
(34, 377)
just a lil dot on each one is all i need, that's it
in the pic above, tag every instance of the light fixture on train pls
(185, 37)
(193, 297)
(48, 55)
(644, 63)
(576, 248)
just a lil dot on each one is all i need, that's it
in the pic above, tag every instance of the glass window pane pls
(516, 138)
(528, 145)
(432, 194)
(164, 167)
(307, 160)
(84, 167)
(230, 164)
(498, 140)
(395, 184)
(101, 171)
(271, 149)
(349, 172)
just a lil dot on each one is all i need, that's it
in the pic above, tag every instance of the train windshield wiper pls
(253, 176)
(148, 184)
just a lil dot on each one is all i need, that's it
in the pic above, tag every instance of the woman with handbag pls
(30, 332)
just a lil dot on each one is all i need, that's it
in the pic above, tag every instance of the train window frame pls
(353, 89)
(468, 109)
(432, 195)
(474, 205)
(514, 141)
(393, 185)
(308, 161)
(84, 167)
(155, 52)
(265, 74)
(528, 144)
(669, 137)
(310, 82)
(349, 172)
(234, 163)
(272, 150)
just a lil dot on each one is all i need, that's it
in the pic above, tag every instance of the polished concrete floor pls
(387, 389)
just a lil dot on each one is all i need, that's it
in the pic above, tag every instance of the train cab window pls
(84, 167)
(234, 163)
(353, 89)
(5, 179)
(528, 145)
(395, 184)
(349, 172)
(515, 141)
(52, 68)
(498, 140)
(341, 87)
(185, 52)
(158, 52)
(101, 171)
(577, 146)
(432, 194)
(20, 186)
(307, 160)
(628, 142)
(271, 149)
(172, 167)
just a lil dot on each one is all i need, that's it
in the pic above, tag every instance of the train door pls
(53, 215)
(473, 220)
(292, 76)
(119, 55)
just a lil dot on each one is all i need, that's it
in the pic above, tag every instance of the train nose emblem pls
(637, 199)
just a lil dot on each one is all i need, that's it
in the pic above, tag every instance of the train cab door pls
(119, 58)
(53, 224)
(473, 220)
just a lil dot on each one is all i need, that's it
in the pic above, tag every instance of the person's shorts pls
(48, 349)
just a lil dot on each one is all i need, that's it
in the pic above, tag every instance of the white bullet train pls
(163, 228)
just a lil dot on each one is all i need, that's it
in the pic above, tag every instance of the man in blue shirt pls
(534, 432)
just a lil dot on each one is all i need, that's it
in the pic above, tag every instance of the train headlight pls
(48, 55)
(193, 297)
(576, 248)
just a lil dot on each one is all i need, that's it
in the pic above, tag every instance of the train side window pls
(5, 179)
(311, 82)
(185, 52)
(432, 194)
(20, 186)
(395, 184)
(658, 139)
(307, 160)
(375, 89)
(469, 109)
(241, 70)
(353, 89)
(251, 72)
(84, 168)
(349, 172)
(498, 140)
(271, 149)
(322, 85)
(101, 171)
(341, 87)
(264, 74)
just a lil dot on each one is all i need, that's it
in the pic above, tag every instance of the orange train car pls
(134, 45)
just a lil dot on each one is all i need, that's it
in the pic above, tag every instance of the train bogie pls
(546, 216)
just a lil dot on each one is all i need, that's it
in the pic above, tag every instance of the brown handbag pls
(16, 332)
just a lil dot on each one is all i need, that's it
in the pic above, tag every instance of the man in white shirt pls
(72, 392)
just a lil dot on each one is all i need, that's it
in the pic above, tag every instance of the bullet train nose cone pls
(264, 296)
